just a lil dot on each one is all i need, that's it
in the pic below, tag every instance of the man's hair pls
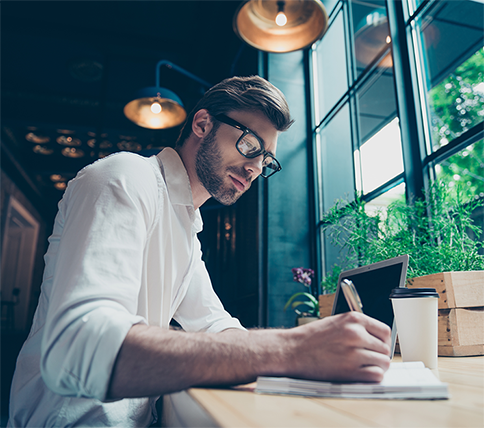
(251, 93)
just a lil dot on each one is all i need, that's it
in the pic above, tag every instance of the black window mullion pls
(408, 105)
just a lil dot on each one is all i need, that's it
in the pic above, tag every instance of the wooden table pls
(199, 407)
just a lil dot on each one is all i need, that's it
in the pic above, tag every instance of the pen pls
(351, 295)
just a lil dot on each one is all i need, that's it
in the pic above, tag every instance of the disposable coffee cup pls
(416, 316)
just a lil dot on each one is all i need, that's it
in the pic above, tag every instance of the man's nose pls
(254, 165)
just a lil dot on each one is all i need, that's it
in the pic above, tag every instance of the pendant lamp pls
(372, 36)
(159, 108)
(280, 26)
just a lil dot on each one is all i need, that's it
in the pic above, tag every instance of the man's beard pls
(210, 171)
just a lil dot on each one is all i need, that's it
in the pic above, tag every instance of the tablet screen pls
(374, 287)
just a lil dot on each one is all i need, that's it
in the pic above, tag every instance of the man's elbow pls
(69, 371)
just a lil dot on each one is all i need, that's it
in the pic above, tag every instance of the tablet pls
(374, 284)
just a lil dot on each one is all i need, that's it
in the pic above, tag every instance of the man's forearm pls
(155, 361)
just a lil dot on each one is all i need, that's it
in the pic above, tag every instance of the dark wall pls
(229, 244)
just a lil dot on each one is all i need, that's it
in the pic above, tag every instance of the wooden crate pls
(461, 332)
(456, 289)
(461, 311)
(325, 304)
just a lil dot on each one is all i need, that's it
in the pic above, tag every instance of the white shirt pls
(123, 251)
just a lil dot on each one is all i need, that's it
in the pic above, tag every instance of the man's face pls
(221, 169)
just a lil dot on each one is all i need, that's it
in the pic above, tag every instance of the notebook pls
(402, 381)
(374, 283)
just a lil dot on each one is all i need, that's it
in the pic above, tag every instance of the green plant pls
(434, 232)
(303, 276)
(456, 104)
(330, 281)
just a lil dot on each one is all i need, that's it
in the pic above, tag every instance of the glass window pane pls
(380, 203)
(330, 5)
(336, 159)
(330, 68)
(333, 256)
(412, 6)
(371, 33)
(465, 167)
(457, 103)
(376, 104)
(453, 63)
(417, 3)
(381, 157)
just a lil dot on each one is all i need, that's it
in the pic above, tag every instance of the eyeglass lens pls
(250, 146)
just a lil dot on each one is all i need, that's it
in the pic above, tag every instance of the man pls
(124, 260)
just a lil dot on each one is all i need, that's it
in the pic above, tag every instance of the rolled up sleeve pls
(104, 220)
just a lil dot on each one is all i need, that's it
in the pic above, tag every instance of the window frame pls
(412, 109)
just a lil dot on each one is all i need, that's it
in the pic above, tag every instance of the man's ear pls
(202, 123)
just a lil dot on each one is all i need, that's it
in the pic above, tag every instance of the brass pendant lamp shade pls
(303, 23)
(156, 108)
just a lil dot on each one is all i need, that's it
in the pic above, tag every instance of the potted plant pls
(436, 234)
(310, 303)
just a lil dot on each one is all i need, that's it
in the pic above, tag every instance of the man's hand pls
(350, 346)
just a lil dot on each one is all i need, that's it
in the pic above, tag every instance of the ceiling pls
(69, 67)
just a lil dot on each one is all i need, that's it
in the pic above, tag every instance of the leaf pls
(310, 297)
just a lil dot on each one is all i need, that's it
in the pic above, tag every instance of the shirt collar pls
(176, 177)
(178, 183)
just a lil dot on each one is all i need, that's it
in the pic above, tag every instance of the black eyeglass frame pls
(233, 123)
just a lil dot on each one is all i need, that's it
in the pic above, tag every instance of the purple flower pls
(303, 275)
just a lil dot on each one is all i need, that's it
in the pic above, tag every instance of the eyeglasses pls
(250, 146)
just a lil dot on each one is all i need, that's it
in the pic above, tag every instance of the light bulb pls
(155, 122)
(281, 19)
(388, 40)
(155, 108)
